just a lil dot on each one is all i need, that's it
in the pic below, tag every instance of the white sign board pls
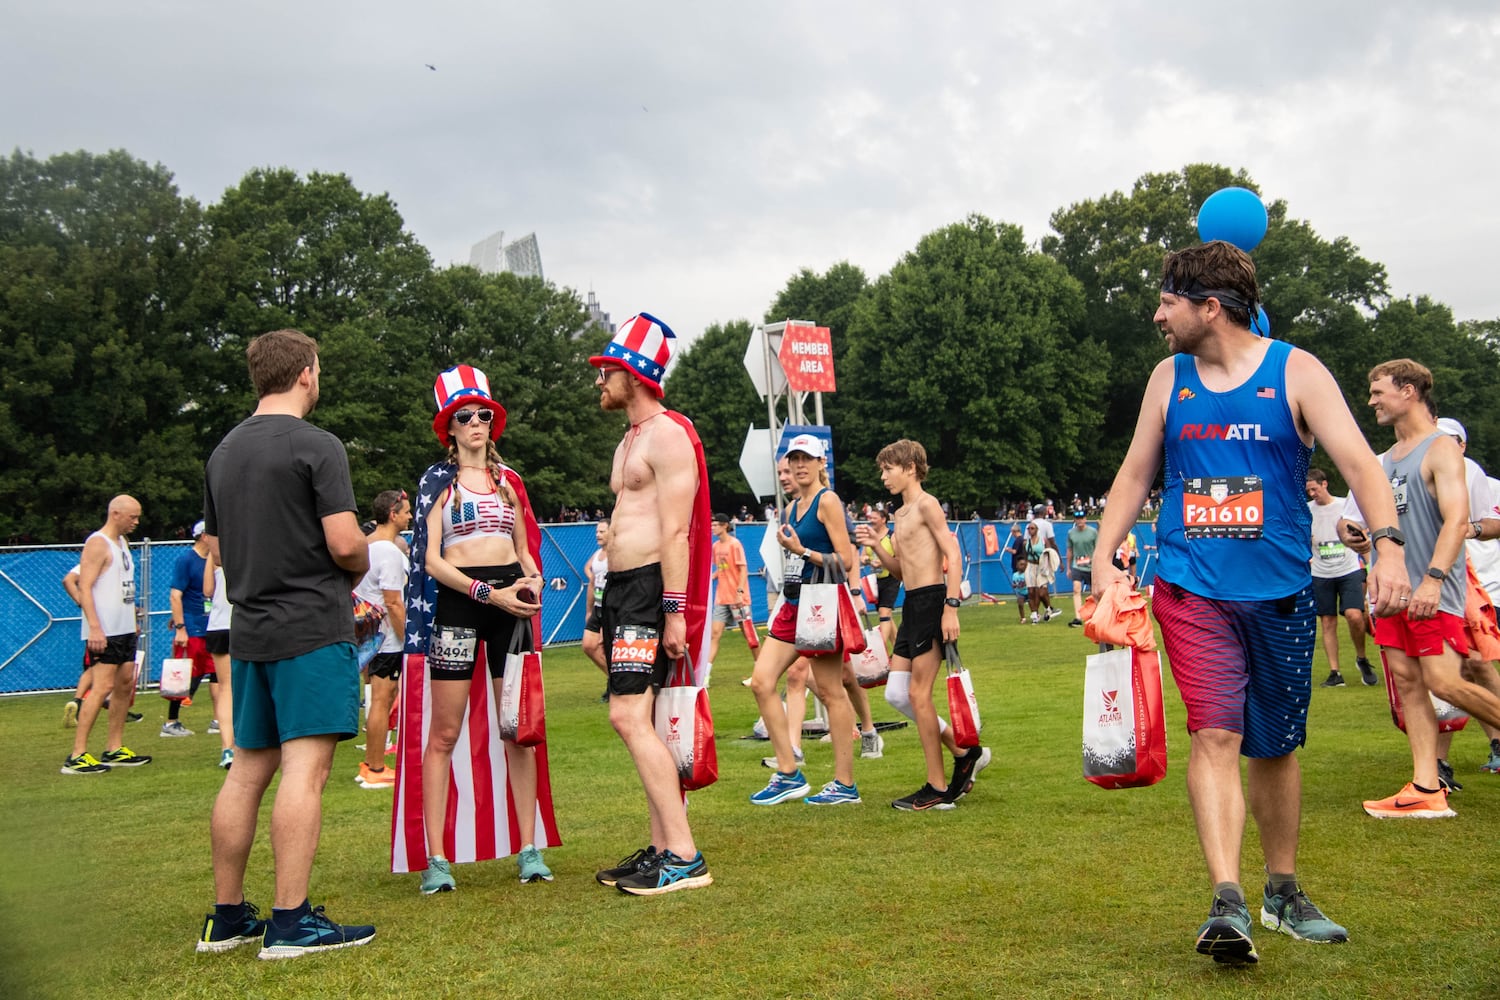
(758, 461)
(757, 356)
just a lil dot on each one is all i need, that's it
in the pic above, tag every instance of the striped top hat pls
(460, 386)
(644, 345)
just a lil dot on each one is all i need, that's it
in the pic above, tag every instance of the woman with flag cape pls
(463, 794)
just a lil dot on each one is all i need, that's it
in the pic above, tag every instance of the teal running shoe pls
(1296, 915)
(1225, 935)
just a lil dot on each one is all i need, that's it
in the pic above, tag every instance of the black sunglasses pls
(464, 416)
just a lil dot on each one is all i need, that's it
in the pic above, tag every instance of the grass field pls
(1038, 885)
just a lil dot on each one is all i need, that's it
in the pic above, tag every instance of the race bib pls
(1398, 493)
(1223, 507)
(791, 565)
(1331, 551)
(634, 649)
(452, 648)
(127, 590)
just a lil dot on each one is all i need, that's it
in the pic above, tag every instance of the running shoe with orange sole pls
(370, 778)
(1410, 803)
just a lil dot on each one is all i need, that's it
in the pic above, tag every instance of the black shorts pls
(117, 649)
(594, 623)
(217, 642)
(632, 621)
(1336, 595)
(387, 665)
(461, 623)
(887, 589)
(921, 621)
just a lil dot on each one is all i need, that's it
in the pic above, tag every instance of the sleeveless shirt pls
(1420, 519)
(1234, 522)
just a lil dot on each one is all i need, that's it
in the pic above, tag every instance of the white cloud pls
(687, 159)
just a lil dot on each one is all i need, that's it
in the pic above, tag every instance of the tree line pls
(125, 309)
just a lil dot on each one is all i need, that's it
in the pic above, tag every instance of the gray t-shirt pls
(268, 485)
(1421, 521)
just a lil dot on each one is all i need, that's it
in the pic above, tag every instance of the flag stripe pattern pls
(481, 822)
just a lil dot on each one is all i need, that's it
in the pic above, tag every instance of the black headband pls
(1193, 290)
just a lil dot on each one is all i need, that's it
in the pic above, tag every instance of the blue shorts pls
(1242, 666)
(315, 694)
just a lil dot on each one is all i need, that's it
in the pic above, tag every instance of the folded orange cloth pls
(1479, 621)
(1118, 616)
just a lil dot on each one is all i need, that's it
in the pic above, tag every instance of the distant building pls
(597, 316)
(493, 255)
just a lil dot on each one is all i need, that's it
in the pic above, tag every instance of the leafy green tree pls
(1318, 294)
(98, 256)
(971, 346)
(528, 336)
(710, 385)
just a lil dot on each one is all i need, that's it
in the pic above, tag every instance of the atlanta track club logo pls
(1111, 716)
(674, 735)
(815, 615)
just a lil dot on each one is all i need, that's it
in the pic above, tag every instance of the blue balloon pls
(1235, 215)
(1260, 324)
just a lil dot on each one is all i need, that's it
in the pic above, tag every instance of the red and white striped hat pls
(460, 386)
(644, 345)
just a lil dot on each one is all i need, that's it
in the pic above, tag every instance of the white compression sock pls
(898, 696)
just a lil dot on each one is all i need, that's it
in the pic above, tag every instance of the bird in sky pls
(430, 66)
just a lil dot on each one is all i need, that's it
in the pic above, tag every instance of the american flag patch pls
(1266, 392)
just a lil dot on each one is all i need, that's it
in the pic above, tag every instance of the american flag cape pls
(693, 668)
(481, 821)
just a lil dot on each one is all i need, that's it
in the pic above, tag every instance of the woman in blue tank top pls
(814, 532)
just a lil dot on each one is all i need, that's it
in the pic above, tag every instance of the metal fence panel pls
(40, 648)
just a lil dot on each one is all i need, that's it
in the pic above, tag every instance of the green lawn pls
(1038, 885)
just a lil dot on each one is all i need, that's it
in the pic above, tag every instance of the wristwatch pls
(1394, 534)
(1436, 573)
(953, 602)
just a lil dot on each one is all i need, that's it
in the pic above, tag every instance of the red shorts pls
(1424, 637)
(197, 651)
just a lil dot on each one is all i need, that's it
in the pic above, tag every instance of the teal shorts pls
(315, 694)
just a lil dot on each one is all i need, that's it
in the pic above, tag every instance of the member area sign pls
(806, 355)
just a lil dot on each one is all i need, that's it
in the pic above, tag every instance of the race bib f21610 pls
(1223, 507)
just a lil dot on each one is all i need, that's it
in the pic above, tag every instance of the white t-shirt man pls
(1330, 559)
(388, 570)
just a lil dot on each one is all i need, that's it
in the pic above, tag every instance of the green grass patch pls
(1038, 885)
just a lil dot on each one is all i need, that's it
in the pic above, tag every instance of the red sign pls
(806, 356)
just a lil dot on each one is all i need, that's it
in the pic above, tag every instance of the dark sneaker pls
(923, 798)
(311, 932)
(1076, 623)
(627, 866)
(124, 757)
(84, 763)
(1493, 764)
(666, 872)
(1445, 776)
(220, 934)
(1335, 680)
(1367, 672)
(965, 770)
(1225, 935)
(133, 716)
(1296, 915)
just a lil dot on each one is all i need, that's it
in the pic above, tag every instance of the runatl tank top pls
(1234, 524)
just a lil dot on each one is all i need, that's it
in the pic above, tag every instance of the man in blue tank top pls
(1236, 416)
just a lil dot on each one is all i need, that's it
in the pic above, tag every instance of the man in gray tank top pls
(1424, 645)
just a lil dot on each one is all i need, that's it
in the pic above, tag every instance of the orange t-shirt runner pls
(729, 573)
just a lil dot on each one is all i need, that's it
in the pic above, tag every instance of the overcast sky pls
(686, 159)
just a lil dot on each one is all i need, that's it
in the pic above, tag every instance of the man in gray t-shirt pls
(280, 518)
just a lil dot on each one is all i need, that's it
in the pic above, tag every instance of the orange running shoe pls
(385, 778)
(1409, 803)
